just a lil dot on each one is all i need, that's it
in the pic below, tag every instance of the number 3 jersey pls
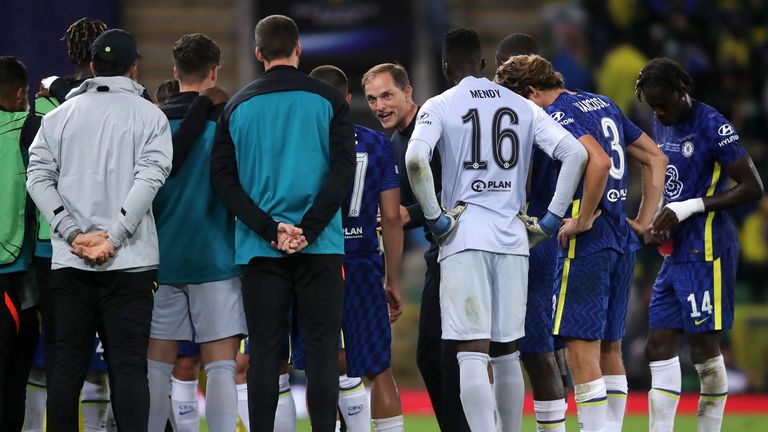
(585, 113)
(484, 133)
(375, 172)
(698, 148)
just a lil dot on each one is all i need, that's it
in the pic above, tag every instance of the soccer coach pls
(94, 168)
(282, 161)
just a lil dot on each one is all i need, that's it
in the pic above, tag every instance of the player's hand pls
(405, 217)
(644, 232)
(442, 227)
(94, 255)
(663, 221)
(575, 226)
(290, 238)
(42, 92)
(90, 239)
(394, 300)
(216, 95)
(539, 230)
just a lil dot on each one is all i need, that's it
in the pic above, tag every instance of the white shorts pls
(483, 296)
(199, 312)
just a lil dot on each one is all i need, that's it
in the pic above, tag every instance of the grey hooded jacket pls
(96, 164)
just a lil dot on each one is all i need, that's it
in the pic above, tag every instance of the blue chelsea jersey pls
(699, 148)
(585, 113)
(375, 172)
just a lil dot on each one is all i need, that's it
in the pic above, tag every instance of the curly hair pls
(79, 37)
(664, 73)
(520, 72)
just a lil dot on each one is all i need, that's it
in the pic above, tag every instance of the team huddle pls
(222, 231)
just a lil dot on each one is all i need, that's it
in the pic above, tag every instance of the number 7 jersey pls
(485, 133)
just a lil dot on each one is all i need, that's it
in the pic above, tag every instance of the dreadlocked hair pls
(79, 37)
(664, 73)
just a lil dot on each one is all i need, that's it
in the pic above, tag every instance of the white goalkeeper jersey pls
(485, 135)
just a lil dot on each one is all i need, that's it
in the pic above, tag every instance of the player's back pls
(583, 113)
(487, 132)
(374, 173)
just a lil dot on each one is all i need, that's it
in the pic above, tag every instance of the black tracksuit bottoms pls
(118, 305)
(314, 283)
(436, 358)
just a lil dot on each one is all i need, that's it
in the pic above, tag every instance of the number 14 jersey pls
(584, 113)
(485, 133)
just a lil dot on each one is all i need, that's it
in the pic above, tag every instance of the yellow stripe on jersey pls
(572, 240)
(708, 248)
(561, 297)
(717, 273)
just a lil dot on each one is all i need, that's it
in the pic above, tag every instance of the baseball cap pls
(115, 47)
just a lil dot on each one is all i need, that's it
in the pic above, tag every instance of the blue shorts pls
(695, 296)
(592, 294)
(541, 300)
(366, 331)
(188, 349)
(98, 363)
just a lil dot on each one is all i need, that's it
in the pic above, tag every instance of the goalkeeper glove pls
(540, 229)
(446, 223)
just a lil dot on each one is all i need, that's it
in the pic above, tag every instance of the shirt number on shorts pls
(499, 135)
(706, 305)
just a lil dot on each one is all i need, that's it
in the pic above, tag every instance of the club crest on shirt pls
(687, 149)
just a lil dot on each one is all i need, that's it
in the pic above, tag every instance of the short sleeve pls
(631, 131)
(390, 178)
(430, 122)
(722, 136)
(547, 132)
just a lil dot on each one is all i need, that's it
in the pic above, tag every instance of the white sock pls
(509, 389)
(664, 394)
(111, 423)
(285, 415)
(714, 392)
(95, 401)
(550, 415)
(221, 396)
(242, 406)
(338, 426)
(591, 405)
(389, 424)
(353, 404)
(159, 378)
(184, 406)
(616, 388)
(34, 414)
(476, 394)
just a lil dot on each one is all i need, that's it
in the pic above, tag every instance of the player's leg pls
(537, 346)
(71, 324)
(18, 369)
(95, 401)
(219, 321)
(354, 407)
(241, 378)
(666, 323)
(319, 291)
(711, 298)
(611, 363)
(170, 324)
(582, 290)
(11, 286)
(466, 313)
(185, 412)
(126, 317)
(509, 292)
(267, 286)
(285, 415)
(34, 414)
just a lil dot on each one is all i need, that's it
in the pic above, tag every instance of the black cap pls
(115, 47)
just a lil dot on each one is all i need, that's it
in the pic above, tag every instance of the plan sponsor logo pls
(491, 186)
